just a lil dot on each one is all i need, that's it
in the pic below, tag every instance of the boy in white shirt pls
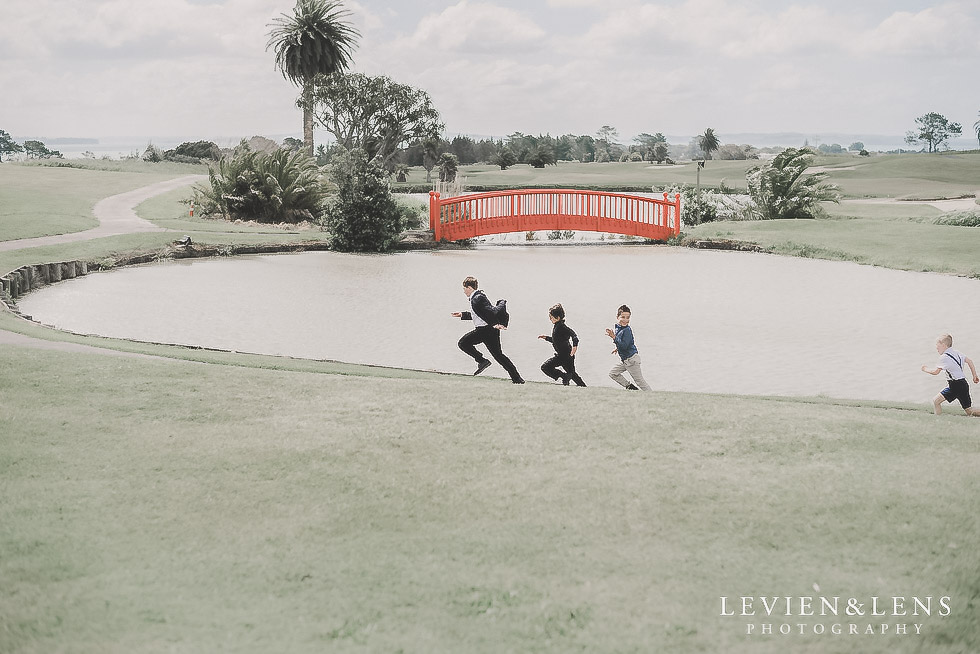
(951, 361)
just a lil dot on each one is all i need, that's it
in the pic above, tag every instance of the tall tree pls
(708, 142)
(430, 156)
(8, 145)
(313, 41)
(648, 142)
(976, 128)
(375, 114)
(448, 165)
(607, 145)
(934, 130)
(37, 150)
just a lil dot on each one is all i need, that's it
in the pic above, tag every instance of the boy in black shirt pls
(565, 341)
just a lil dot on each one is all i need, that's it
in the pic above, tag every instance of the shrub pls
(270, 187)
(189, 152)
(959, 219)
(415, 215)
(152, 154)
(710, 205)
(179, 158)
(541, 156)
(363, 216)
(781, 188)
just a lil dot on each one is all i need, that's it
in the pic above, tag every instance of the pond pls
(704, 321)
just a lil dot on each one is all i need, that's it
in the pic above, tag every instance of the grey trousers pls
(632, 366)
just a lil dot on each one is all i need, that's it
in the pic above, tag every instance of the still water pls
(704, 321)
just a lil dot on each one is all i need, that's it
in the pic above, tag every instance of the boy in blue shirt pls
(951, 361)
(628, 355)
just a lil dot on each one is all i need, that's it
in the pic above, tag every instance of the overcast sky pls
(199, 69)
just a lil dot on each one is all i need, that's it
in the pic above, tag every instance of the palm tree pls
(708, 142)
(314, 39)
(782, 188)
(976, 128)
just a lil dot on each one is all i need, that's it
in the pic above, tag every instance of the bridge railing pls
(497, 212)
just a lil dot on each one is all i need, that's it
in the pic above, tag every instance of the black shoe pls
(518, 381)
(480, 367)
(565, 380)
(632, 387)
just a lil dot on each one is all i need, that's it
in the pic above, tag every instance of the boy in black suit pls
(487, 325)
(565, 341)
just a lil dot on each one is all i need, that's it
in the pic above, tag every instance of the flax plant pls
(266, 187)
(782, 189)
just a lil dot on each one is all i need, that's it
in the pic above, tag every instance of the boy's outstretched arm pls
(969, 362)
(932, 371)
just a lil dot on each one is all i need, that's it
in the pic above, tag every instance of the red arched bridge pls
(498, 212)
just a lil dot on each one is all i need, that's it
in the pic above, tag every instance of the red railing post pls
(677, 213)
(434, 214)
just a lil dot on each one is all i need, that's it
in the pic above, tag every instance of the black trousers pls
(550, 368)
(490, 337)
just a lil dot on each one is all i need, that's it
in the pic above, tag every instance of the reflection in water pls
(716, 322)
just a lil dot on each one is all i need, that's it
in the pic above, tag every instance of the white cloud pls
(563, 4)
(469, 27)
(950, 29)
(497, 66)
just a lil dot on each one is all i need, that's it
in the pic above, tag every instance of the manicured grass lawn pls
(911, 176)
(904, 244)
(164, 505)
(45, 200)
(598, 175)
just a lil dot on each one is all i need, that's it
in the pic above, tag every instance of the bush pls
(271, 187)
(959, 219)
(363, 216)
(543, 155)
(188, 152)
(710, 205)
(152, 154)
(179, 158)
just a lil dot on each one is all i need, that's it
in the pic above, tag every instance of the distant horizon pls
(130, 143)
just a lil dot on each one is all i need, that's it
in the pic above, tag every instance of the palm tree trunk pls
(308, 119)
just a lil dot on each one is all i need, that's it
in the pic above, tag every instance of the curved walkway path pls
(116, 215)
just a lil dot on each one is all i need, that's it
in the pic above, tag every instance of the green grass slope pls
(165, 505)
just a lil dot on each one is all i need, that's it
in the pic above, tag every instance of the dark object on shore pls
(183, 241)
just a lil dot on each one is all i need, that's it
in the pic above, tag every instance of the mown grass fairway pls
(904, 244)
(164, 505)
(911, 176)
